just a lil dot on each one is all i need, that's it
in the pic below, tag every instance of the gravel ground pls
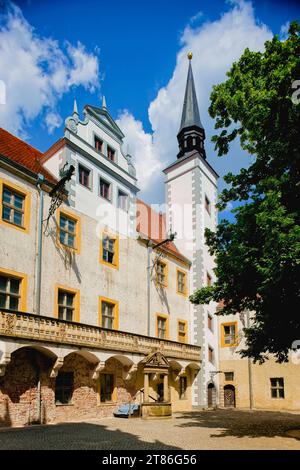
(218, 430)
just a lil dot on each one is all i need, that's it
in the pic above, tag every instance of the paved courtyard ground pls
(221, 429)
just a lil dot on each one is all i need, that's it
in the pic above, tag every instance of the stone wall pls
(18, 390)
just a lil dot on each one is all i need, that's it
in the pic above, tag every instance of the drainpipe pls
(40, 245)
(250, 370)
(149, 251)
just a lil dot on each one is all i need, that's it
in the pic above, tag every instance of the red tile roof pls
(22, 153)
(152, 225)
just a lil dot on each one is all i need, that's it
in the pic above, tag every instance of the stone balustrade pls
(41, 328)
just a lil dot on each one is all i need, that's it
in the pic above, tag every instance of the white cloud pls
(215, 45)
(37, 72)
(140, 145)
(53, 120)
(196, 17)
(284, 31)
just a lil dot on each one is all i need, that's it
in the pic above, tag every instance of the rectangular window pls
(67, 231)
(210, 322)
(277, 387)
(208, 279)
(181, 282)
(106, 387)
(182, 331)
(111, 154)
(10, 292)
(13, 207)
(161, 273)
(211, 357)
(108, 253)
(207, 204)
(98, 144)
(108, 315)
(162, 327)
(84, 176)
(229, 334)
(229, 376)
(122, 201)
(105, 189)
(66, 305)
(182, 387)
(64, 385)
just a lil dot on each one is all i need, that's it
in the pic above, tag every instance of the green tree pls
(257, 255)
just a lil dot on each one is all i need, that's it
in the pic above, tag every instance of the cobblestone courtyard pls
(222, 429)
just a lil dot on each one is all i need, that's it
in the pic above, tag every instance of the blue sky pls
(133, 52)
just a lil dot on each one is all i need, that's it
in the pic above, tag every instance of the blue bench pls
(126, 409)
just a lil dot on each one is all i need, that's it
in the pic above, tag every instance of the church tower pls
(191, 197)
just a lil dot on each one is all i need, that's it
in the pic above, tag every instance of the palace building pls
(94, 284)
(94, 308)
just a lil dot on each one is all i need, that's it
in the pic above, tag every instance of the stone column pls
(166, 387)
(146, 387)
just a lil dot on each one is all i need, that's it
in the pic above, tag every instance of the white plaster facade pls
(188, 181)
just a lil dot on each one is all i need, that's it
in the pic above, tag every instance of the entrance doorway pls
(229, 396)
(211, 395)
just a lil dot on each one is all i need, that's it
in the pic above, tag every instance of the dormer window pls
(111, 154)
(98, 144)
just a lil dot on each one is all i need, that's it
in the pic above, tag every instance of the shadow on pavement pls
(81, 436)
(238, 423)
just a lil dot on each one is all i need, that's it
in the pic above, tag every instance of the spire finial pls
(103, 102)
(75, 110)
(190, 55)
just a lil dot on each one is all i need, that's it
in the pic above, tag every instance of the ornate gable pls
(156, 360)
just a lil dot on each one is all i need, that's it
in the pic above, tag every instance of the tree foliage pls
(258, 255)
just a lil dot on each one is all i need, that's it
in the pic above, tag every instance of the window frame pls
(114, 391)
(277, 388)
(69, 402)
(110, 199)
(185, 292)
(166, 273)
(89, 186)
(115, 237)
(23, 278)
(207, 204)
(213, 361)
(77, 220)
(127, 203)
(210, 322)
(166, 318)
(228, 372)
(223, 344)
(68, 290)
(179, 320)
(27, 204)
(113, 302)
(96, 137)
(109, 147)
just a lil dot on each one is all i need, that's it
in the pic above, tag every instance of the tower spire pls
(191, 134)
